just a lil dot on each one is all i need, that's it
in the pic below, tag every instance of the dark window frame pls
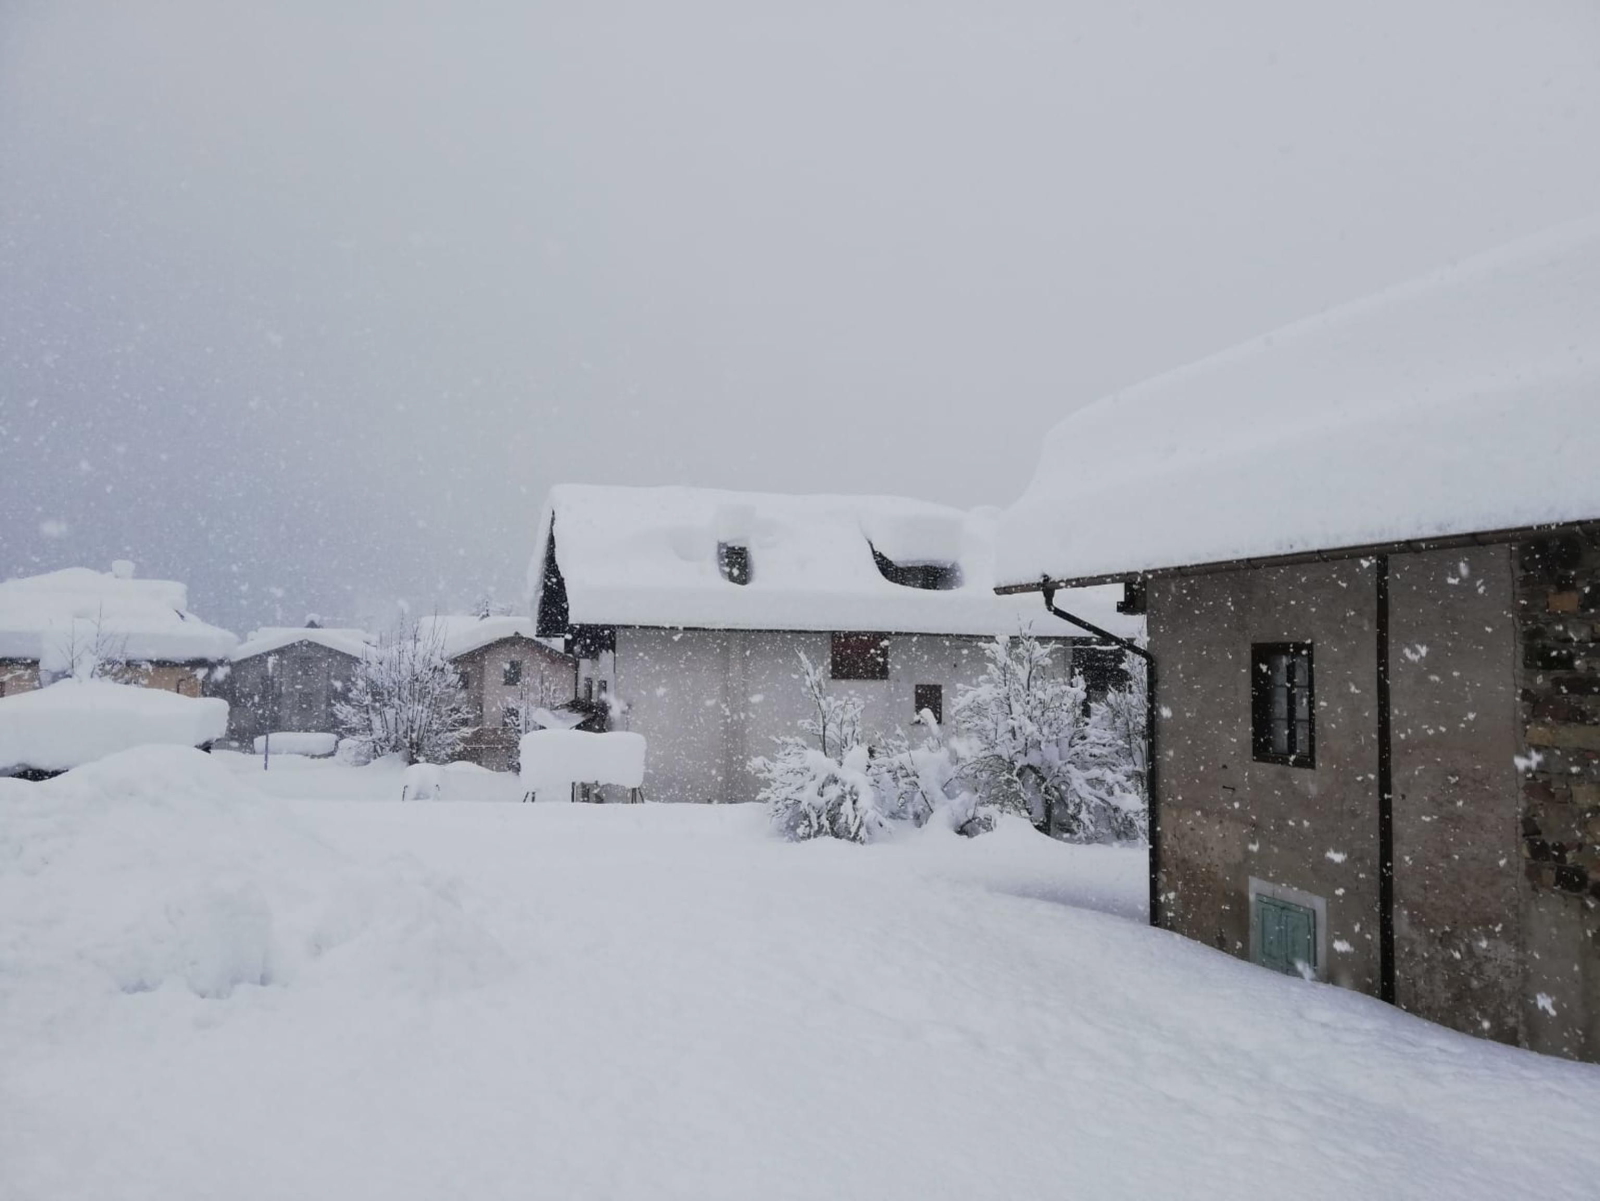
(921, 700)
(733, 561)
(858, 656)
(511, 673)
(1283, 733)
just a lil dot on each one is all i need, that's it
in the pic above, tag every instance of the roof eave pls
(1586, 528)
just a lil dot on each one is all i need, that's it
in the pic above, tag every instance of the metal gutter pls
(1386, 966)
(1151, 766)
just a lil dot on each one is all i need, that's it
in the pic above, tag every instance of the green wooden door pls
(1286, 936)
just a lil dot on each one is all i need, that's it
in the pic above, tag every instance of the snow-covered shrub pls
(407, 699)
(1125, 711)
(822, 791)
(1034, 746)
(918, 782)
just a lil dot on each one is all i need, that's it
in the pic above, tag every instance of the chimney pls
(122, 569)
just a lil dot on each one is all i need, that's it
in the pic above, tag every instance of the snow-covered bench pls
(556, 764)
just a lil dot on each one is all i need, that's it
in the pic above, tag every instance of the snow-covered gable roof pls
(462, 634)
(274, 638)
(1463, 403)
(650, 557)
(42, 616)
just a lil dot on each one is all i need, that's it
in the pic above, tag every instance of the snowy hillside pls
(208, 993)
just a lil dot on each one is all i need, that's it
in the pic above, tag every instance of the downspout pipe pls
(1133, 648)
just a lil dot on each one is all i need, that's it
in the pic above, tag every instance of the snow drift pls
(156, 869)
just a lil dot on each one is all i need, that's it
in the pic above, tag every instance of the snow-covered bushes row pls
(1027, 741)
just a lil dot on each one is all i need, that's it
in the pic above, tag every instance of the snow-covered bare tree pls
(407, 698)
(88, 650)
(1125, 712)
(822, 790)
(1035, 748)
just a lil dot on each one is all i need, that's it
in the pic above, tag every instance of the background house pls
(285, 679)
(686, 609)
(508, 672)
(50, 623)
(1370, 550)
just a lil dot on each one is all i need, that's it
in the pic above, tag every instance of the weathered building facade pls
(1369, 551)
(505, 680)
(289, 681)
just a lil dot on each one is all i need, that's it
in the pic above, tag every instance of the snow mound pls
(554, 760)
(295, 742)
(157, 869)
(77, 721)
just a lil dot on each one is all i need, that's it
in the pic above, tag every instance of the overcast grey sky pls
(307, 303)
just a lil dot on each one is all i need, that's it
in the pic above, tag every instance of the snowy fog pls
(307, 304)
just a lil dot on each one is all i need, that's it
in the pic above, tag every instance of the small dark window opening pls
(1283, 726)
(932, 577)
(1103, 668)
(604, 687)
(733, 562)
(860, 657)
(513, 672)
(588, 690)
(930, 699)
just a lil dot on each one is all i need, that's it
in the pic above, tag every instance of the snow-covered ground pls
(209, 992)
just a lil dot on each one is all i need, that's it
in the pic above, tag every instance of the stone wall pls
(1558, 612)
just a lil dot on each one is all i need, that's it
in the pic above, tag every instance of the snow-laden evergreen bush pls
(818, 786)
(1034, 746)
(407, 699)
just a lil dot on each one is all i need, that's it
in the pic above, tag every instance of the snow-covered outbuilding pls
(54, 624)
(509, 673)
(686, 609)
(1368, 547)
(76, 721)
(288, 679)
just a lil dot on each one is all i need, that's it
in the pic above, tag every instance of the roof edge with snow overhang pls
(659, 558)
(1455, 410)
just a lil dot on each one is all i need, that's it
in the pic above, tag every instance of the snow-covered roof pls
(462, 634)
(1462, 403)
(43, 617)
(76, 721)
(275, 638)
(650, 557)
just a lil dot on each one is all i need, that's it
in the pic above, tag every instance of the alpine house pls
(1368, 548)
(687, 610)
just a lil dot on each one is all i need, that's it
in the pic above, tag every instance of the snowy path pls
(581, 1002)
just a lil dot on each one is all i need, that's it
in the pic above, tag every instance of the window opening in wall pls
(1283, 704)
(930, 698)
(733, 561)
(1286, 936)
(860, 657)
(602, 689)
(588, 690)
(513, 672)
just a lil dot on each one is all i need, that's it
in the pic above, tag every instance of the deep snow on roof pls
(463, 633)
(43, 616)
(73, 722)
(275, 638)
(649, 557)
(1464, 402)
